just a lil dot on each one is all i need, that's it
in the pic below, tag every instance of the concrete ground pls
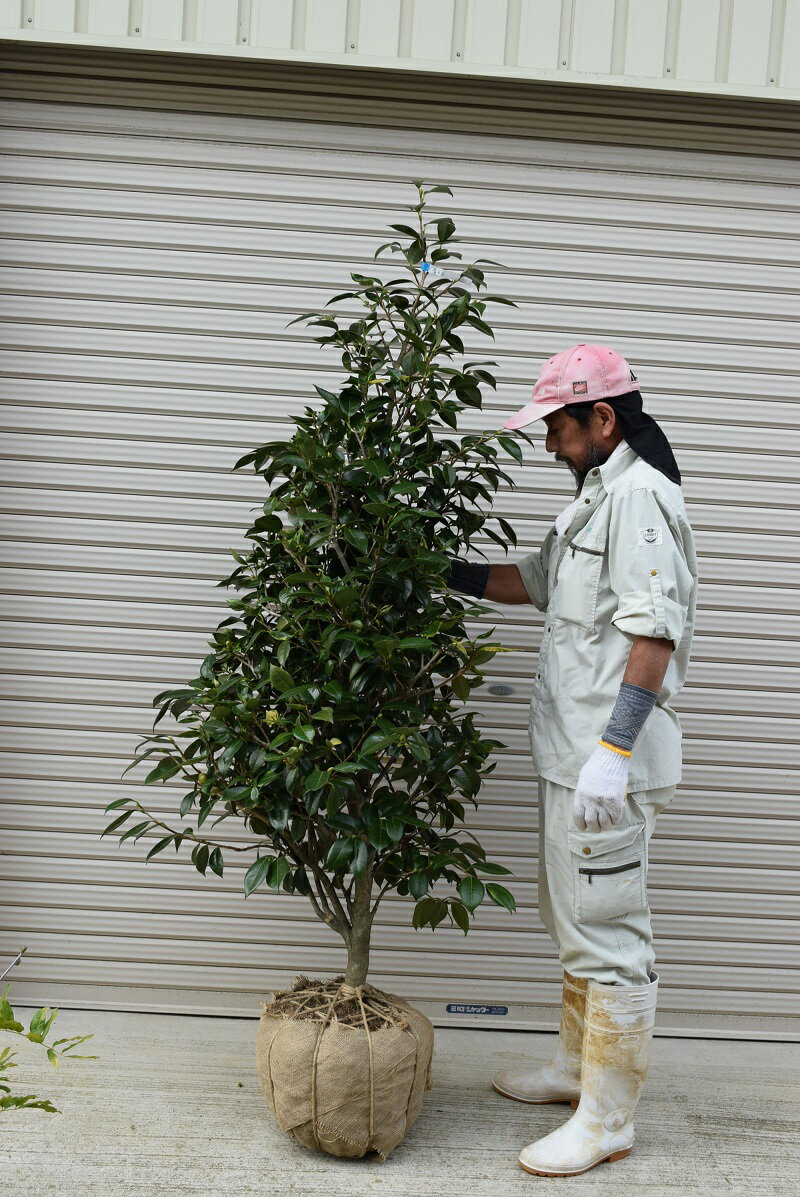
(173, 1107)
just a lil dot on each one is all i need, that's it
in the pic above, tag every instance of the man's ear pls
(606, 420)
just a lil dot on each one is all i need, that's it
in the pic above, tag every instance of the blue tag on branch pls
(435, 271)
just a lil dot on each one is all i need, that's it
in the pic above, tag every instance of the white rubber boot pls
(616, 1045)
(560, 1080)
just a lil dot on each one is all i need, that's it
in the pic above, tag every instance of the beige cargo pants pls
(593, 887)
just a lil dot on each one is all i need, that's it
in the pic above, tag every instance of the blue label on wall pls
(458, 1008)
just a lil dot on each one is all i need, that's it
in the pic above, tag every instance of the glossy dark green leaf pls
(359, 858)
(496, 870)
(280, 679)
(418, 885)
(340, 854)
(471, 892)
(511, 447)
(277, 872)
(160, 846)
(256, 873)
(501, 896)
(395, 829)
(460, 915)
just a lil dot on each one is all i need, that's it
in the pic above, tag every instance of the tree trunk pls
(359, 938)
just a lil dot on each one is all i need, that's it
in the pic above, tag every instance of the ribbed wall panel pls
(741, 47)
(150, 267)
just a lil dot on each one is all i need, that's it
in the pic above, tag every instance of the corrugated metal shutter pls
(151, 262)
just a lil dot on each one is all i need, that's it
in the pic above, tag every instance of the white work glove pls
(600, 792)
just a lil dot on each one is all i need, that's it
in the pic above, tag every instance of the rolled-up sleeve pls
(533, 571)
(648, 568)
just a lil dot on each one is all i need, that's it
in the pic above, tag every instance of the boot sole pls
(608, 1159)
(539, 1101)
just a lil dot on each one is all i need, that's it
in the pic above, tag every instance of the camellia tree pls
(328, 714)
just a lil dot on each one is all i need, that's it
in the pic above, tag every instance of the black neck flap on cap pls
(643, 434)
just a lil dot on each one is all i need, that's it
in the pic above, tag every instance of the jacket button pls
(595, 473)
(587, 852)
(587, 500)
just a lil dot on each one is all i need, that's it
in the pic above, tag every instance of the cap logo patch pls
(580, 388)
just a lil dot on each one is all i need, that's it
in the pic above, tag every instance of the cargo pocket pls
(609, 872)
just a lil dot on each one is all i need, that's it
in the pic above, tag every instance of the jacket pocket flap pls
(593, 844)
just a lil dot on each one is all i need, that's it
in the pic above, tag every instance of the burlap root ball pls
(344, 1070)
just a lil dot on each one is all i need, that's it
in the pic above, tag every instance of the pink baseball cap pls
(582, 374)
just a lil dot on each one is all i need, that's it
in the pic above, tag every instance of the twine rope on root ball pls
(334, 1000)
(348, 993)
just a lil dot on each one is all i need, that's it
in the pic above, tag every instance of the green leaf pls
(135, 832)
(459, 915)
(200, 858)
(489, 866)
(471, 892)
(117, 822)
(360, 857)
(501, 896)
(358, 539)
(418, 885)
(374, 742)
(280, 679)
(164, 769)
(394, 829)
(340, 854)
(117, 803)
(277, 871)
(375, 829)
(160, 846)
(430, 911)
(511, 447)
(406, 230)
(508, 531)
(256, 874)
(460, 687)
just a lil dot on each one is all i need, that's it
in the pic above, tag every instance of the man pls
(617, 578)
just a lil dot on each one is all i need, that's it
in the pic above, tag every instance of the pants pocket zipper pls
(624, 868)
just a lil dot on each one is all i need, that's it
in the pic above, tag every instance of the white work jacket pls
(625, 567)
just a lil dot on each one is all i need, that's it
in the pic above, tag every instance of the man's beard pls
(595, 457)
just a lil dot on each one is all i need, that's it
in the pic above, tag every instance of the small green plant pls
(37, 1032)
(329, 713)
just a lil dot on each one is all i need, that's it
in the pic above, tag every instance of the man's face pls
(580, 448)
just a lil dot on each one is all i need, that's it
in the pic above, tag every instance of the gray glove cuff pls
(631, 709)
(468, 577)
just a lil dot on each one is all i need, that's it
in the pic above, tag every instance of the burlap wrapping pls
(344, 1089)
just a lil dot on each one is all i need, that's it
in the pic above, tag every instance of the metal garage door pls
(151, 261)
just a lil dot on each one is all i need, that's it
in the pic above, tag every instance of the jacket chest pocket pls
(609, 872)
(579, 583)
